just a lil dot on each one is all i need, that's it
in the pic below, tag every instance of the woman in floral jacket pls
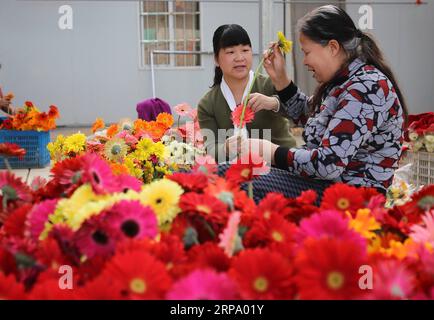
(353, 124)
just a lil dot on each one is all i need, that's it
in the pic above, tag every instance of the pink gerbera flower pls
(126, 182)
(131, 219)
(183, 109)
(424, 234)
(205, 164)
(128, 137)
(327, 224)
(392, 280)
(229, 238)
(98, 173)
(38, 216)
(204, 284)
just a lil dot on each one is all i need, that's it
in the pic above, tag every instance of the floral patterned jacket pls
(354, 137)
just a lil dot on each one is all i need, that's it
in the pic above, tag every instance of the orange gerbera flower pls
(165, 119)
(98, 124)
(119, 168)
(112, 130)
(139, 124)
(156, 130)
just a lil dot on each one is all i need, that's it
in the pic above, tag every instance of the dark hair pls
(331, 22)
(227, 35)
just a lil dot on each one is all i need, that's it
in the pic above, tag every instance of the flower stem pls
(250, 189)
(7, 164)
(270, 50)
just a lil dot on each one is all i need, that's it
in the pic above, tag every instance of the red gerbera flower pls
(308, 197)
(7, 262)
(53, 112)
(95, 237)
(209, 255)
(11, 150)
(49, 289)
(329, 269)
(205, 205)
(246, 168)
(342, 197)
(15, 223)
(367, 194)
(169, 250)
(90, 269)
(274, 232)
(68, 174)
(243, 203)
(50, 255)
(138, 275)
(14, 188)
(100, 288)
(421, 202)
(7, 124)
(273, 203)
(249, 115)
(262, 274)
(10, 289)
(14, 192)
(195, 182)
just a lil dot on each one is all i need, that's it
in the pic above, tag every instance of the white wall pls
(93, 70)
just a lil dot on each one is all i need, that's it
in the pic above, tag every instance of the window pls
(170, 26)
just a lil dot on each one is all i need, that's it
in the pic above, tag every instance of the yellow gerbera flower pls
(56, 148)
(285, 45)
(158, 149)
(144, 148)
(163, 197)
(115, 149)
(364, 223)
(132, 168)
(74, 143)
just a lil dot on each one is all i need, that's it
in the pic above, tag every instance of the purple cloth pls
(149, 109)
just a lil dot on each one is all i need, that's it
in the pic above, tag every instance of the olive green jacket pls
(214, 113)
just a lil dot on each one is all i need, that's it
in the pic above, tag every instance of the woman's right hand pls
(275, 66)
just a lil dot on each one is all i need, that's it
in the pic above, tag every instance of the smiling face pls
(323, 61)
(235, 61)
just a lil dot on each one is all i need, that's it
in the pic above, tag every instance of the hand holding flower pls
(258, 102)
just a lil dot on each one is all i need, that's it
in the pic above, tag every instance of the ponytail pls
(371, 54)
(218, 76)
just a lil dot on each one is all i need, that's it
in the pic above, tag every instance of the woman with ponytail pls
(233, 76)
(354, 122)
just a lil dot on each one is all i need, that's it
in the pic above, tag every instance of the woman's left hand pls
(258, 101)
(264, 148)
